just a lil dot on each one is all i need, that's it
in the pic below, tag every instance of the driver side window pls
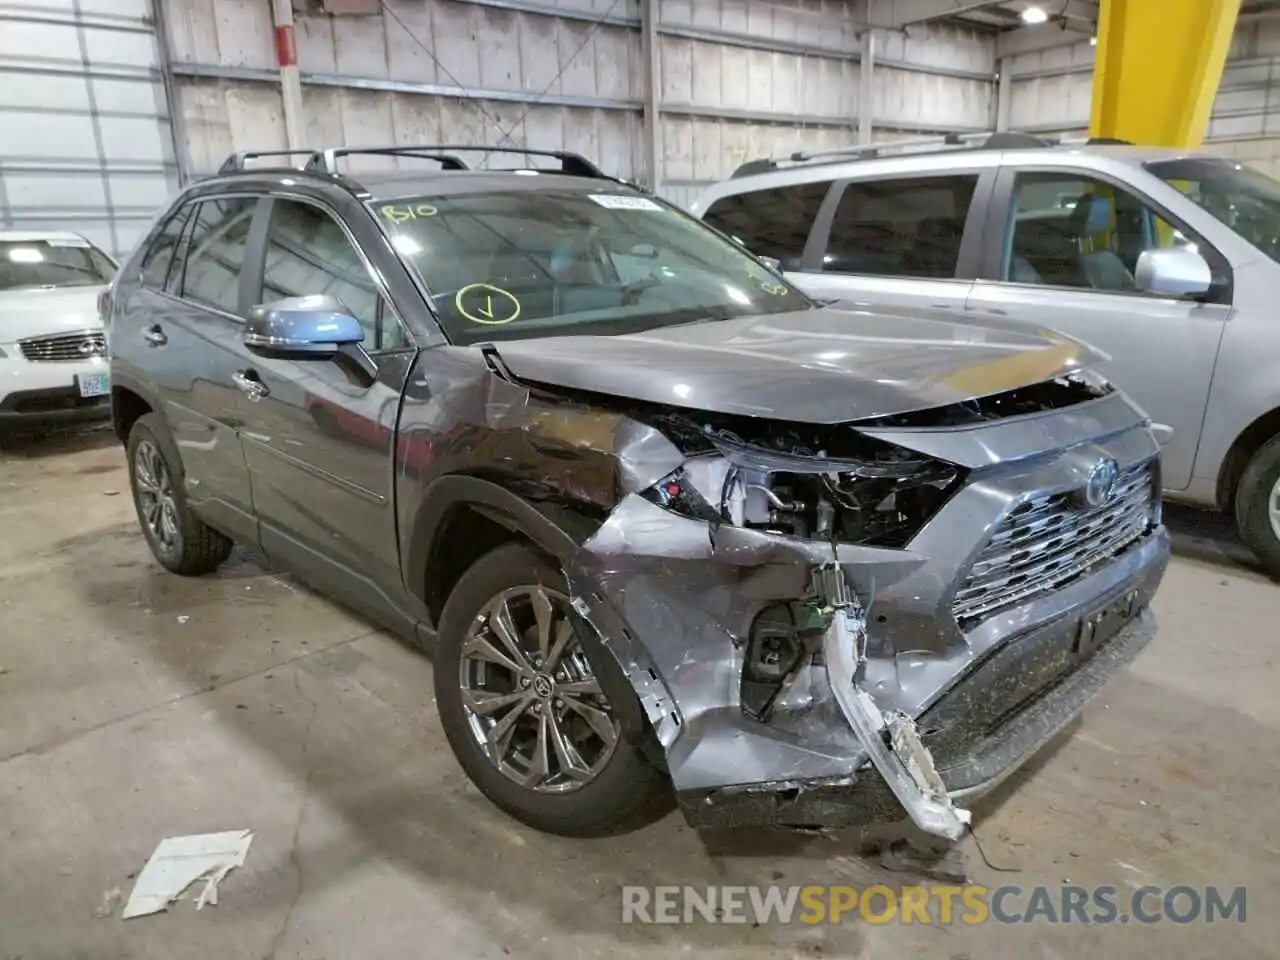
(308, 253)
(1066, 230)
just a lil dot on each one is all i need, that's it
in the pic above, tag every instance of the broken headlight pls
(880, 502)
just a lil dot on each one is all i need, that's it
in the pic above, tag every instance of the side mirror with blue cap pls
(302, 328)
(317, 327)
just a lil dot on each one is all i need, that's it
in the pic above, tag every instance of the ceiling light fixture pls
(1033, 15)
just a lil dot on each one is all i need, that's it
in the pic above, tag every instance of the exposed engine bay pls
(736, 577)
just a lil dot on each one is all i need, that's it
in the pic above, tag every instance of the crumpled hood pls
(833, 364)
(35, 312)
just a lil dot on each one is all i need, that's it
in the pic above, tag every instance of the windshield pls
(526, 263)
(1245, 200)
(71, 262)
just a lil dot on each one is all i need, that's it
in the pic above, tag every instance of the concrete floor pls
(135, 705)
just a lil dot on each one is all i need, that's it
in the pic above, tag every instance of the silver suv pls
(1165, 260)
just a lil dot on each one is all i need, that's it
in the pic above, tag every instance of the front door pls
(320, 440)
(1066, 259)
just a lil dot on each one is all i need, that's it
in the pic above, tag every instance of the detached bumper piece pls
(970, 750)
(891, 740)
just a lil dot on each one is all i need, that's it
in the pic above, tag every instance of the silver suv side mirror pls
(773, 263)
(1173, 272)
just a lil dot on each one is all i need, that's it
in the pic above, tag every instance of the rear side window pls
(155, 265)
(215, 252)
(771, 223)
(900, 228)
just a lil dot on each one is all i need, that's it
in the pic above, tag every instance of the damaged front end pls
(827, 626)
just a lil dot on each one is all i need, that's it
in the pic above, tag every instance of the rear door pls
(321, 441)
(907, 242)
(1061, 251)
(184, 323)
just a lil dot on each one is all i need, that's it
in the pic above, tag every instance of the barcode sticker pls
(620, 201)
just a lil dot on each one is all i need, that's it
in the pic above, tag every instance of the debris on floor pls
(178, 862)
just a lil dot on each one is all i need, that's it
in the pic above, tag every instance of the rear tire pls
(1257, 506)
(181, 541)
(564, 697)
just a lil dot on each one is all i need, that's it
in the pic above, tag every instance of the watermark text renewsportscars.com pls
(940, 905)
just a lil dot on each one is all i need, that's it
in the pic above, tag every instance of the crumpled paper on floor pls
(178, 862)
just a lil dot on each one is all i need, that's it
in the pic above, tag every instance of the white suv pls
(53, 352)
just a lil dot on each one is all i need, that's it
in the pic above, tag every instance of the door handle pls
(154, 335)
(250, 385)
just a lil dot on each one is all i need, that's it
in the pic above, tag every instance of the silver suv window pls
(1245, 200)
(901, 227)
(1073, 230)
(773, 222)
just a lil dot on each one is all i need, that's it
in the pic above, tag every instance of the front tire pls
(531, 706)
(181, 541)
(1257, 506)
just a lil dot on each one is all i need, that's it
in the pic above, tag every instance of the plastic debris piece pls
(178, 862)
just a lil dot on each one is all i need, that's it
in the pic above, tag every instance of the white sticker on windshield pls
(68, 242)
(620, 201)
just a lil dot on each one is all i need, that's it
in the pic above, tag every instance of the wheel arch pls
(463, 517)
(1242, 449)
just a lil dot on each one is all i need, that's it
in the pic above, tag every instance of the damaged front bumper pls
(898, 703)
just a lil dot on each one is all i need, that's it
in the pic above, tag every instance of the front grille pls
(61, 347)
(1048, 540)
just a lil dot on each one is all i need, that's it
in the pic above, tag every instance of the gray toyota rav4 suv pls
(663, 521)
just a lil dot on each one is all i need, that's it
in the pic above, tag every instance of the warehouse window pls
(309, 254)
(215, 253)
(900, 228)
(771, 223)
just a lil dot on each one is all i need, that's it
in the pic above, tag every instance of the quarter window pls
(309, 254)
(155, 265)
(1071, 231)
(900, 228)
(215, 252)
(771, 223)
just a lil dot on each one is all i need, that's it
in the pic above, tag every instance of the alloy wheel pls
(156, 504)
(533, 703)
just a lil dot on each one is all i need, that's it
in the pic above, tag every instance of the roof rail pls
(237, 161)
(978, 140)
(573, 164)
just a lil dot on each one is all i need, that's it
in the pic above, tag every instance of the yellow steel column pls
(1158, 66)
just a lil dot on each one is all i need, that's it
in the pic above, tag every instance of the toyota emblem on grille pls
(1101, 483)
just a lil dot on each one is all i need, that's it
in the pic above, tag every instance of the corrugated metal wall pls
(1058, 84)
(85, 143)
(738, 79)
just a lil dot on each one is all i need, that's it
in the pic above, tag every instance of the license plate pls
(93, 384)
(1104, 623)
